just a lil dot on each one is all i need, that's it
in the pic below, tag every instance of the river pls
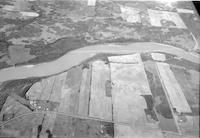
(77, 56)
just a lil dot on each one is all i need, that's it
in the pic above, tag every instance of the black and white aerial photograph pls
(99, 68)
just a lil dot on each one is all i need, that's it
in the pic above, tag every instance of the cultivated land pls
(119, 96)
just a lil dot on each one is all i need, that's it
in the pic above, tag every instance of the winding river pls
(77, 56)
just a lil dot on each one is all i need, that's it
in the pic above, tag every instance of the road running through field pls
(76, 57)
